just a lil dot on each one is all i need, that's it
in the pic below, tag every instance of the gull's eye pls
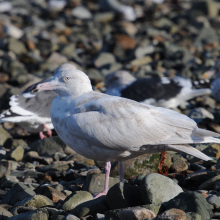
(66, 78)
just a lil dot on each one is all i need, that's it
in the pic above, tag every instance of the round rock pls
(156, 189)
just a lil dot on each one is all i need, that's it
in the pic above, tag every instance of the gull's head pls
(67, 82)
(119, 79)
(64, 66)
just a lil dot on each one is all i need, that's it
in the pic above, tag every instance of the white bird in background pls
(32, 112)
(110, 128)
(164, 92)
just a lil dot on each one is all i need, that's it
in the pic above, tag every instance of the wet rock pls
(17, 154)
(95, 183)
(190, 202)
(136, 213)
(123, 195)
(209, 184)
(75, 199)
(91, 207)
(151, 189)
(4, 135)
(18, 193)
(49, 146)
(172, 214)
(41, 214)
(37, 201)
(50, 193)
(5, 214)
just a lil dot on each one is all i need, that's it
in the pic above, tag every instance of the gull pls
(32, 111)
(163, 92)
(110, 128)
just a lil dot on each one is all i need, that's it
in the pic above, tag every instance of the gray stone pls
(17, 154)
(17, 193)
(4, 135)
(95, 183)
(81, 13)
(193, 216)
(136, 213)
(16, 210)
(49, 146)
(103, 59)
(156, 189)
(37, 201)
(214, 200)
(5, 168)
(70, 217)
(91, 207)
(190, 202)
(13, 31)
(16, 46)
(179, 165)
(75, 199)
(100, 216)
(123, 195)
(4, 214)
(13, 143)
(39, 214)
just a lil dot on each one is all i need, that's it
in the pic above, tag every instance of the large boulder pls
(156, 189)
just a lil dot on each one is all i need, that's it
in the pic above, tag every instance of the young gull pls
(111, 128)
(32, 111)
(164, 92)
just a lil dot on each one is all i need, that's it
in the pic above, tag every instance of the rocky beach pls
(46, 179)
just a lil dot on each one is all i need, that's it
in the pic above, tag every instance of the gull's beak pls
(43, 86)
(100, 85)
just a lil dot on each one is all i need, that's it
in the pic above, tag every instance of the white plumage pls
(109, 128)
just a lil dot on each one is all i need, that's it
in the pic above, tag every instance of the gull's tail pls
(197, 92)
(185, 148)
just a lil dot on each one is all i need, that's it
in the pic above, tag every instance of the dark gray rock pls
(190, 202)
(123, 195)
(41, 214)
(172, 214)
(209, 184)
(156, 189)
(17, 193)
(91, 207)
(50, 146)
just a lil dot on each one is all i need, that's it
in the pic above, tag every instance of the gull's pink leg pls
(121, 170)
(49, 132)
(107, 172)
(42, 136)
